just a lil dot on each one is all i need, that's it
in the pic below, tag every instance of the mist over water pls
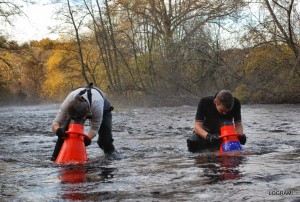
(152, 162)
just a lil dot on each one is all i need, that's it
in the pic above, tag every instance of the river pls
(152, 162)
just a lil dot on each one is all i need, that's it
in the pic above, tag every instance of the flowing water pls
(152, 162)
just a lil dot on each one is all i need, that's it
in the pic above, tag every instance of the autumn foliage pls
(158, 52)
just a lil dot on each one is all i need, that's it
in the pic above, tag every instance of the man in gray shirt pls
(100, 116)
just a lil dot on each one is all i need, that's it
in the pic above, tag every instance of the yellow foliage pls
(267, 57)
(269, 69)
(241, 92)
(52, 87)
(54, 61)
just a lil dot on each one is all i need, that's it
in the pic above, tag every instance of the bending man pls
(99, 114)
(212, 111)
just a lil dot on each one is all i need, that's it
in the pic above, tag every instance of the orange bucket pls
(73, 149)
(230, 141)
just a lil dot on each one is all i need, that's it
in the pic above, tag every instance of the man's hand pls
(212, 139)
(242, 138)
(61, 133)
(87, 141)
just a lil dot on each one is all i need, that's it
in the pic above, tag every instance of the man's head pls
(78, 108)
(224, 101)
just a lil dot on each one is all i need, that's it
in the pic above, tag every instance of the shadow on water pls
(219, 168)
(75, 179)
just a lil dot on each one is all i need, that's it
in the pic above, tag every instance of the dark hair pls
(78, 108)
(226, 99)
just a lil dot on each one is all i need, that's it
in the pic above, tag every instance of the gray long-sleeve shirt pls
(97, 108)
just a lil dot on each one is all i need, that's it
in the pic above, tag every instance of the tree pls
(285, 21)
(276, 31)
(277, 23)
(170, 26)
(76, 26)
(63, 72)
(8, 10)
(8, 70)
(104, 33)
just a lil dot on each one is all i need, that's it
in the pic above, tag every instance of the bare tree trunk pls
(102, 43)
(80, 54)
(116, 63)
(103, 39)
(288, 35)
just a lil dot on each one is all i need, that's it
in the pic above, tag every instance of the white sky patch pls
(35, 25)
(39, 18)
(298, 7)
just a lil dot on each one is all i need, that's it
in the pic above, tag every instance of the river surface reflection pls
(152, 162)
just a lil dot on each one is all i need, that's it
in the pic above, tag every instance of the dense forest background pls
(158, 52)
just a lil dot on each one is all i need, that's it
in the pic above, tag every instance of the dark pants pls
(105, 140)
(197, 144)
